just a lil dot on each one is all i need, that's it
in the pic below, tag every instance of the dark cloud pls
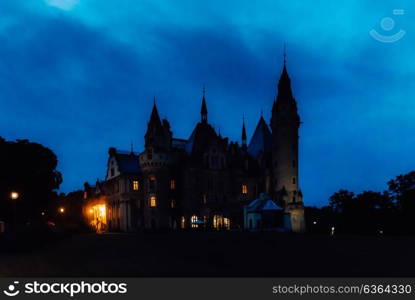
(80, 88)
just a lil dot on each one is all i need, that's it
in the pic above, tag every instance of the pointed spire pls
(204, 111)
(243, 132)
(155, 118)
(132, 148)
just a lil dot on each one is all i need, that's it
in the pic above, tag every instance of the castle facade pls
(204, 181)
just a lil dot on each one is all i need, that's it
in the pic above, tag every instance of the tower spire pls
(204, 111)
(243, 132)
(285, 53)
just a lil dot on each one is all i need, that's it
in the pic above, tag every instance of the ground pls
(215, 254)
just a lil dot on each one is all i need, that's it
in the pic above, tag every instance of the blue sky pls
(79, 76)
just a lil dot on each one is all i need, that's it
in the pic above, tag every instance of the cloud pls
(79, 85)
(63, 4)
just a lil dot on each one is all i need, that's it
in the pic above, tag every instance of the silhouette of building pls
(204, 181)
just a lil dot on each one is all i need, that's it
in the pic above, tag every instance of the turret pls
(285, 123)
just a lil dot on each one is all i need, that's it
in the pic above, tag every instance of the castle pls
(204, 181)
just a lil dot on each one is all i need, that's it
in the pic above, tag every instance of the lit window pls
(85, 195)
(226, 223)
(172, 184)
(135, 185)
(194, 221)
(244, 189)
(218, 222)
(153, 201)
(173, 203)
(182, 222)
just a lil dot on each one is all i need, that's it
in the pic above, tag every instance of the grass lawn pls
(215, 254)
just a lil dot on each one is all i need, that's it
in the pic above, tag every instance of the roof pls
(179, 143)
(261, 140)
(128, 163)
(201, 136)
(263, 203)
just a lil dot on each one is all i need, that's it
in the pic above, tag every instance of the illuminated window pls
(153, 201)
(226, 223)
(217, 221)
(135, 185)
(85, 195)
(182, 222)
(195, 222)
(244, 189)
(172, 184)
(173, 203)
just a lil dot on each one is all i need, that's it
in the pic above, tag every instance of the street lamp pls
(61, 210)
(14, 196)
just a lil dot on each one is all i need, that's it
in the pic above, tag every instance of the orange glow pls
(135, 185)
(14, 195)
(244, 189)
(153, 201)
(98, 217)
(61, 210)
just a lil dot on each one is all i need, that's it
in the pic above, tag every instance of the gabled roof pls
(201, 136)
(263, 203)
(261, 140)
(128, 163)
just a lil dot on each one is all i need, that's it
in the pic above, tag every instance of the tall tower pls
(285, 123)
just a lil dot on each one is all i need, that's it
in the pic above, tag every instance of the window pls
(293, 180)
(135, 185)
(173, 203)
(112, 172)
(244, 189)
(294, 164)
(172, 184)
(217, 221)
(195, 222)
(182, 222)
(204, 199)
(226, 223)
(153, 201)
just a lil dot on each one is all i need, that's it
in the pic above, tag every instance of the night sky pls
(79, 76)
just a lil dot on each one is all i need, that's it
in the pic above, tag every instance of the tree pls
(29, 169)
(341, 200)
(402, 190)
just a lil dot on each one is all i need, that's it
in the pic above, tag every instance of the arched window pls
(244, 189)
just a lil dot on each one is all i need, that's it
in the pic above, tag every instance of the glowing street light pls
(61, 210)
(14, 195)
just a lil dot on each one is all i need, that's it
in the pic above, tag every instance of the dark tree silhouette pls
(341, 200)
(402, 191)
(29, 169)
